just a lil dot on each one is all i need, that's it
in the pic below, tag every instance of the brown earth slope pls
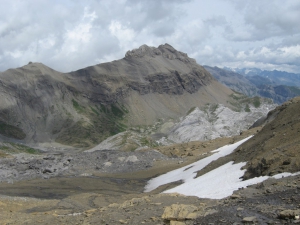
(276, 147)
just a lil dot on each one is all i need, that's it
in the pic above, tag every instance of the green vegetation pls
(95, 111)
(11, 131)
(241, 102)
(116, 111)
(256, 102)
(295, 90)
(210, 108)
(103, 121)
(103, 108)
(213, 107)
(247, 108)
(147, 141)
(238, 96)
(77, 107)
(191, 110)
(14, 148)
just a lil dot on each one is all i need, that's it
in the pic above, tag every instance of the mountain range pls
(82, 108)
(277, 85)
(213, 169)
(274, 76)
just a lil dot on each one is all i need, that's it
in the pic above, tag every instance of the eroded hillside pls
(276, 147)
(81, 108)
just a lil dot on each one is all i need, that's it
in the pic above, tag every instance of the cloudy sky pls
(71, 34)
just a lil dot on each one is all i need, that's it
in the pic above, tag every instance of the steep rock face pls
(83, 107)
(145, 70)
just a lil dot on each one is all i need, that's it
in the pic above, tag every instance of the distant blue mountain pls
(277, 77)
(277, 85)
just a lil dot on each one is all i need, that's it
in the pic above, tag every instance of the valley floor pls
(87, 190)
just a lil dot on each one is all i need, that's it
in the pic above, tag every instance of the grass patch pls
(117, 111)
(241, 102)
(25, 148)
(256, 102)
(104, 121)
(95, 111)
(14, 148)
(295, 90)
(11, 131)
(247, 108)
(238, 96)
(147, 141)
(213, 107)
(77, 107)
(191, 110)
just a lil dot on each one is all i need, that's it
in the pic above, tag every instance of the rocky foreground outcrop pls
(81, 108)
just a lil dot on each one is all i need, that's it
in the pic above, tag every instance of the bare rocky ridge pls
(81, 108)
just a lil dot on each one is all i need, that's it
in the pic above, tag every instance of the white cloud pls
(124, 34)
(264, 19)
(69, 35)
(78, 36)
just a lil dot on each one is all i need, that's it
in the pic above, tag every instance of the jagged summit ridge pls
(166, 51)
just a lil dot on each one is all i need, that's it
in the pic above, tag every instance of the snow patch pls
(221, 182)
(216, 184)
(189, 172)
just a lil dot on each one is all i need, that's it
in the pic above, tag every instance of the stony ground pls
(24, 166)
(31, 166)
(106, 187)
(271, 202)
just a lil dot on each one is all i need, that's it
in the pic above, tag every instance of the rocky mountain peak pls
(150, 83)
(165, 51)
(34, 67)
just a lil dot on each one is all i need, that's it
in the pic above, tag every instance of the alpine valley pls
(153, 138)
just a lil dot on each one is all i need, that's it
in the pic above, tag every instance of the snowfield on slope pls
(216, 184)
